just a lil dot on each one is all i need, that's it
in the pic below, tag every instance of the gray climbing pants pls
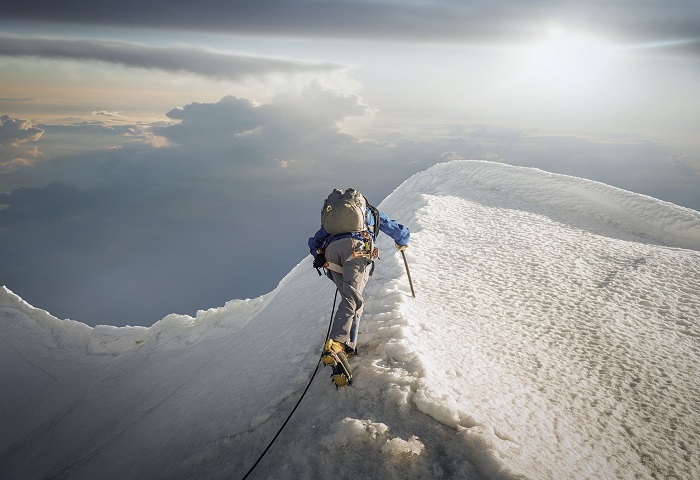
(347, 252)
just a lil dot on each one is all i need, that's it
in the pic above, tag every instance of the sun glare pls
(567, 61)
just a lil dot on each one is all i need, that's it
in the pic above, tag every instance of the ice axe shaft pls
(403, 254)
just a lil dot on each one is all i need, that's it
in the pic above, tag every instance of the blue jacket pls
(396, 231)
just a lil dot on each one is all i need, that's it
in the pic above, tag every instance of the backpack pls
(345, 212)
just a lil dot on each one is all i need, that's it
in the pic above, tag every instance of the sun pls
(568, 61)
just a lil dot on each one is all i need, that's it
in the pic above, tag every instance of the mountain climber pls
(344, 247)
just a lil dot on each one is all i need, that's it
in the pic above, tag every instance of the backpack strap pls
(377, 220)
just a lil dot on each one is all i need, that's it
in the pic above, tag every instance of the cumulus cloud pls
(194, 60)
(229, 117)
(688, 168)
(105, 113)
(15, 134)
(15, 130)
(304, 125)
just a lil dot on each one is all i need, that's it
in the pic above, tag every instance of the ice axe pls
(403, 254)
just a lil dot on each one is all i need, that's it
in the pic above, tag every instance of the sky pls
(165, 158)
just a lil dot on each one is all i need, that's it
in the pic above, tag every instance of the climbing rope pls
(300, 398)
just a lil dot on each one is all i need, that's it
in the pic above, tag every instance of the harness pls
(368, 250)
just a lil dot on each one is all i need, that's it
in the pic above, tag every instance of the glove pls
(400, 247)
(319, 260)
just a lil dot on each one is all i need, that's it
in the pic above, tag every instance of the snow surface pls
(554, 334)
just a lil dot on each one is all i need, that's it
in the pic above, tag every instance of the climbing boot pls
(334, 356)
(331, 351)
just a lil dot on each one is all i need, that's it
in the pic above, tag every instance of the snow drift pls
(555, 334)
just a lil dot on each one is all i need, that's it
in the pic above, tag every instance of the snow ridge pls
(554, 335)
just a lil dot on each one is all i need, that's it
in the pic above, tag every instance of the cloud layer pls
(171, 59)
(441, 20)
(142, 231)
(225, 209)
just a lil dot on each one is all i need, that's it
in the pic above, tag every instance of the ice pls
(351, 430)
(400, 447)
(554, 334)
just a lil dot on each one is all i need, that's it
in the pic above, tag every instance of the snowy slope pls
(555, 334)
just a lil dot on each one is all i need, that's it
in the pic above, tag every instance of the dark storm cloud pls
(446, 20)
(337, 18)
(172, 59)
